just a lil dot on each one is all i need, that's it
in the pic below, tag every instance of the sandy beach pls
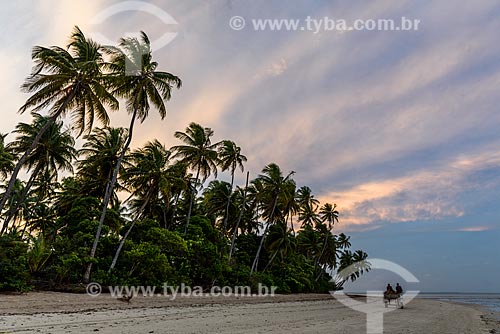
(46, 312)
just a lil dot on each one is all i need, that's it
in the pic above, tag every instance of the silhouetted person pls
(399, 289)
(389, 289)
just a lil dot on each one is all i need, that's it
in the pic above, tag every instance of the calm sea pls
(488, 300)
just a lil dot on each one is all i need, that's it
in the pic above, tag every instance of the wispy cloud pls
(474, 229)
(431, 194)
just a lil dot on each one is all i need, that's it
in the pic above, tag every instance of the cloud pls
(474, 229)
(431, 194)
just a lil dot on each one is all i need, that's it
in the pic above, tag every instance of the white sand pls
(69, 313)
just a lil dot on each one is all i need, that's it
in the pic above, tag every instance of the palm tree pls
(358, 264)
(328, 214)
(309, 242)
(6, 158)
(67, 82)
(134, 76)
(100, 153)
(240, 215)
(307, 206)
(291, 208)
(199, 154)
(215, 197)
(273, 184)
(13, 200)
(149, 175)
(230, 158)
(55, 151)
(280, 240)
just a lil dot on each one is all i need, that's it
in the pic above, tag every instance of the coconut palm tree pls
(149, 175)
(273, 184)
(240, 216)
(215, 197)
(307, 206)
(230, 158)
(199, 154)
(280, 240)
(134, 77)
(66, 81)
(54, 152)
(99, 155)
(330, 215)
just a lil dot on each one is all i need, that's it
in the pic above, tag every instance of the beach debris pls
(125, 299)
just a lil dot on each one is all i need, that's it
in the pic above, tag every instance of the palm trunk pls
(256, 260)
(193, 195)
(272, 259)
(226, 216)
(174, 208)
(291, 224)
(122, 242)
(107, 196)
(321, 255)
(235, 232)
(36, 141)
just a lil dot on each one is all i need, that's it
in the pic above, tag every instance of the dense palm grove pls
(107, 213)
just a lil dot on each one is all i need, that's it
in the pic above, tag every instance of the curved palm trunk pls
(235, 232)
(36, 141)
(256, 260)
(193, 195)
(107, 196)
(122, 242)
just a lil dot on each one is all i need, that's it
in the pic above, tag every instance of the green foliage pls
(169, 230)
(38, 254)
(14, 272)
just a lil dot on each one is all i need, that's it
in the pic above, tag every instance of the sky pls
(399, 128)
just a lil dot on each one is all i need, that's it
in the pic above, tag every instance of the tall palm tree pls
(329, 215)
(230, 158)
(240, 216)
(54, 152)
(134, 77)
(67, 81)
(273, 184)
(149, 175)
(199, 154)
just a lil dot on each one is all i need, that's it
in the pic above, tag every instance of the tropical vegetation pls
(96, 209)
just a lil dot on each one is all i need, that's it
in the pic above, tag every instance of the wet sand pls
(46, 312)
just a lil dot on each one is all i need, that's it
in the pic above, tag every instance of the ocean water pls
(489, 300)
